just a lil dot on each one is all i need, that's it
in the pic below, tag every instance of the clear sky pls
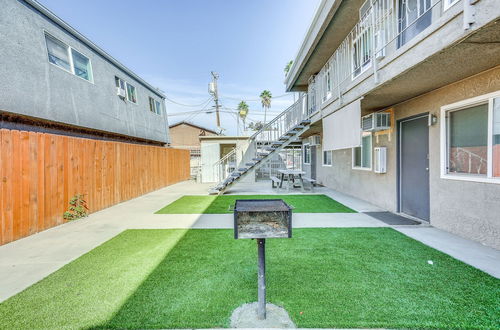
(174, 44)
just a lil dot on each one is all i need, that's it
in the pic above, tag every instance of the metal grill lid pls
(261, 205)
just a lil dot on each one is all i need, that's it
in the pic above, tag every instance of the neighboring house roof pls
(58, 21)
(193, 125)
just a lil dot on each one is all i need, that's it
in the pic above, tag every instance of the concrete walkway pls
(26, 261)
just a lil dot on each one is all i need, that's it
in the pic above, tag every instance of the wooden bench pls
(312, 182)
(275, 182)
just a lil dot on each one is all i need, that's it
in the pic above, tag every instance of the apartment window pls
(158, 107)
(154, 105)
(362, 47)
(362, 155)
(471, 141)
(448, 4)
(120, 84)
(131, 93)
(68, 58)
(414, 16)
(307, 154)
(81, 65)
(58, 52)
(327, 158)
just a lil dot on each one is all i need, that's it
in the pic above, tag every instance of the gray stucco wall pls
(30, 85)
(468, 209)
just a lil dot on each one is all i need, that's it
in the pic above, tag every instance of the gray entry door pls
(414, 167)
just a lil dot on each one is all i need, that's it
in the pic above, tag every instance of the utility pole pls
(215, 93)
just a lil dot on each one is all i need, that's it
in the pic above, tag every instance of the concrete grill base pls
(245, 316)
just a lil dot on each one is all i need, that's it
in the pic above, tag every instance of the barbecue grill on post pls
(261, 219)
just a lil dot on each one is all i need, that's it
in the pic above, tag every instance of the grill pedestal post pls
(261, 248)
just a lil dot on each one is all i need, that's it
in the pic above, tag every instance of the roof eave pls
(322, 18)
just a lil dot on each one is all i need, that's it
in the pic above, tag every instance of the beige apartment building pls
(403, 98)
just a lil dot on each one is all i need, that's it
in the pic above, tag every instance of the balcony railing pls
(384, 27)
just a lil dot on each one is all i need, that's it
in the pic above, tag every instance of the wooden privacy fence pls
(39, 173)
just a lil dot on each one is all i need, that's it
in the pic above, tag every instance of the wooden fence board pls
(40, 173)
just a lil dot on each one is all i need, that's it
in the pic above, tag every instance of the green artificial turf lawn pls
(345, 277)
(224, 204)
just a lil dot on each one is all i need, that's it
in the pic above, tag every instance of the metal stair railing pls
(225, 166)
(268, 139)
(278, 128)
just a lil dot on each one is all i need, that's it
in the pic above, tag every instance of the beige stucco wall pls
(469, 209)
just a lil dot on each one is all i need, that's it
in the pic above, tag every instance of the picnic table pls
(291, 176)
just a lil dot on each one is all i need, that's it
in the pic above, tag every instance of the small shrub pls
(77, 208)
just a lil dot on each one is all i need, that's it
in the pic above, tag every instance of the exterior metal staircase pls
(267, 142)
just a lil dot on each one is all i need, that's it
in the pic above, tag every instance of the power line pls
(197, 113)
(252, 100)
(188, 105)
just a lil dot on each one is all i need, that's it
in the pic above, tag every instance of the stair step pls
(277, 143)
(243, 169)
(251, 164)
(298, 127)
(305, 122)
(257, 159)
(263, 153)
(235, 174)
(270, 148)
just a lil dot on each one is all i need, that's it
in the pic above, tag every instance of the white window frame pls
(447, 4)
(120, 80)
(361, 168)
(155, 110)
(331, 158)
(482, 99)
(128, 97)
(307, 146)
(366, 28)
(70, 57)
(158, 110)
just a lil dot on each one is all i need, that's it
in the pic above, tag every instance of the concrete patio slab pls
(226, 221)
(473, 253)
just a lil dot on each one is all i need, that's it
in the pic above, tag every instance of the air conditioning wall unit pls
(380, 160)
(315, 140)
(377, 121)
(121, 92)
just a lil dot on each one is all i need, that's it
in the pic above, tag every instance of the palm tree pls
(288, 67)
(265, 99)
(243, 111)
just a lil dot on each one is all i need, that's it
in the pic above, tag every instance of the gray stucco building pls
(404, 103)
(54, 79)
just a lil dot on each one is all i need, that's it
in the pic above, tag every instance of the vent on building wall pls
(377, 121)
(380, 160)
